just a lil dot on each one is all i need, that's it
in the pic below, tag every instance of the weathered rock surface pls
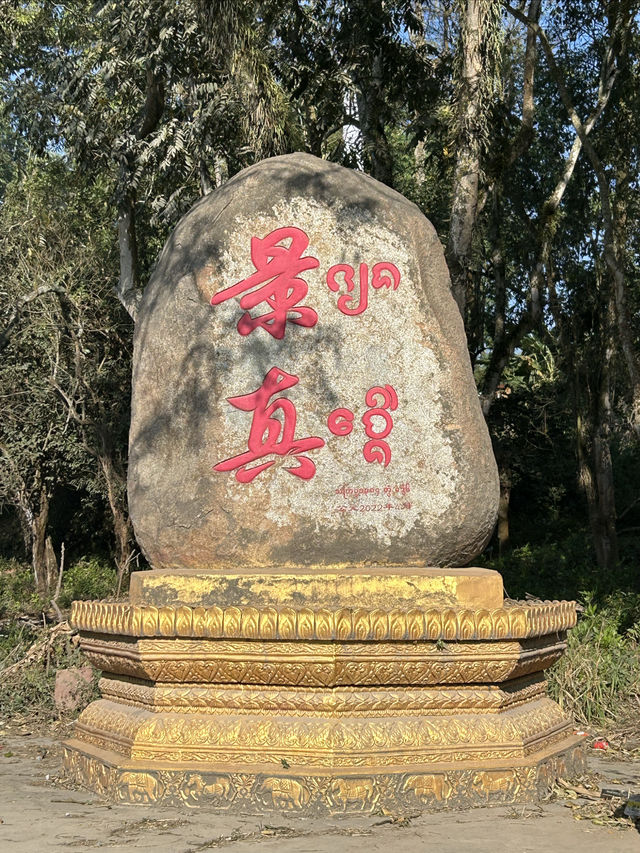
(308, 487)
(71, 687)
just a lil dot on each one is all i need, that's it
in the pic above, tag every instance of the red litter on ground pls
(601, 743)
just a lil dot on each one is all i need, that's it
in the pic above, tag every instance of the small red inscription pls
(382, 275)
(277, 281)
(395, 492)
(388, 490)
(269, 435)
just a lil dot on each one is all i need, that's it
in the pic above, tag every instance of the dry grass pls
(597, 680)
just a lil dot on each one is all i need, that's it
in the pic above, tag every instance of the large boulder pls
(302, 392)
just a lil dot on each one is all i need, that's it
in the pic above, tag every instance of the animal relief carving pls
(286, 793)
(348, 792)
(195, 788)
(427, 786)
(139, 788)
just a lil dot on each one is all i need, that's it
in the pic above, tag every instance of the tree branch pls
(524, 137)
(464, 202)
(127, 288)
(21, 304)
(505, 347)
(153, 105)
(608, 74)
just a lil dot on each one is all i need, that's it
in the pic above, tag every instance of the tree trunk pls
(604, 532)
(503, 512)
(371, 111)
(38, 526)
(221, 170)
(206, 185)
(593, 422)
(616, 237)
(419, 159)
(464, 203)
(586, 479)
(51, 564)
(123, 531)
(607, 543)
(126, 290)
(596, 482)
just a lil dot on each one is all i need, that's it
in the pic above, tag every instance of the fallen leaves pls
(607, 806)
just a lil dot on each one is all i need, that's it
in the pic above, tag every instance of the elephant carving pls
(286, 793)
(139, 788)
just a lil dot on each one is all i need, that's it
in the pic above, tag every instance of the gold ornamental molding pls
(356, 701)
(325, 666)
(432, 706)
(239, 788)
(521, 620)
(339, 740)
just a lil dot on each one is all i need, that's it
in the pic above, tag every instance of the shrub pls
(87, 579)
(600, 671)
(29, 689)
(17, 590)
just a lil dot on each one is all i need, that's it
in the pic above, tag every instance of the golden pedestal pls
(357, 690)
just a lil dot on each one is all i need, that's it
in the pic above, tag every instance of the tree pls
(66, 365)
(149, 95)
(476, 80)
(338, 61)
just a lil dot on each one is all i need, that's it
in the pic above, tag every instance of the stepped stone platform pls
(309, 706)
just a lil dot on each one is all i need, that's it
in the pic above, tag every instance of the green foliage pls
(26, 643)
(17, 590)
(65, 366)
(339, 61)
(89, 578)
(599, 674)
(550, 570)
(30, 687)
(152, 103)
(148, 93)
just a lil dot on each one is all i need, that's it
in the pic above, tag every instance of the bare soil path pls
(40, 815)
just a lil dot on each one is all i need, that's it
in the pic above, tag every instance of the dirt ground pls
(38, 813)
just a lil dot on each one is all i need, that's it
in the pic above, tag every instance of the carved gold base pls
(265, 705)
(396, 790)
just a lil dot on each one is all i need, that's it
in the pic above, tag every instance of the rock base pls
(321, 709)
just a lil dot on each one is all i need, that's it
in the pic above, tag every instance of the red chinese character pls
(277, 270)
(270, 435)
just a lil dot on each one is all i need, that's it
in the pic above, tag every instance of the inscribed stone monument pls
(309, 471)
(302, 390)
